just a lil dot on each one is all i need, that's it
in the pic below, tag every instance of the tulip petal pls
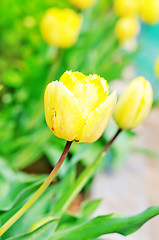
(145, 105)
(97, 120)
(62, 111)
(89, 90)
(129, 103)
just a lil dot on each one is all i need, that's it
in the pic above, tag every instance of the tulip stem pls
(107, 146)
(38, 193)
(81, 181)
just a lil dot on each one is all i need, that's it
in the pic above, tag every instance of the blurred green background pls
(27, 64)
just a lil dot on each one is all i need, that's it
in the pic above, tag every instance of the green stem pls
(107, 146)
(38, 193)
(83, 178)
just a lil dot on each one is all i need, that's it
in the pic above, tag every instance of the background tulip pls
(126, 7)
(126, 28)
(83, 4)
(134, 105)
(149, 11)
(78, 107)
(60, 27)
(157, 67)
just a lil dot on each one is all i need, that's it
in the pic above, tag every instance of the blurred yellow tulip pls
(78, 107)
(127, 28)
(134, 105)
(149, 11)
(61, 27)
(83, 4)
(157, 68)
(126, 7)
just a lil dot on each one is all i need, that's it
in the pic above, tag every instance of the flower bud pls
(149, 11)
(78, 107)
(61, 27)
(157, 68)
(134, 105)
(126, 28)
(126, 7)
(83, 4)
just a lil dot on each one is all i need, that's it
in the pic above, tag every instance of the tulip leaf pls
(71, 227)
(16, 186)
(88, 208)
(36, 213)
(41, 233)
(75, 189)
(147, 152)
(31, 151)
(112, 223)
(64, 183)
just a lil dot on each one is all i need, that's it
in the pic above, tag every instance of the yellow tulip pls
(149, 11)
(77, 107)
(157, 68)
(134, 105)
(83, 4)
(126, 7)
(61, 27)
(126, 28)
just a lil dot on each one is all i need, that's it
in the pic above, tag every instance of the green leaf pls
(88, 208)
(112, 223)
(32, 151)
(75, 189)
(148, 152)
(39, 211)
(68, 179)
(16, 186)
(71, 227)
(39, 234)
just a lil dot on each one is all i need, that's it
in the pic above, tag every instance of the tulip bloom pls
(126, 7)
(134, 105)
(149, 11)
(157, 68)
(83, 4)
(126, 28)
(61, 27)
(78, 107)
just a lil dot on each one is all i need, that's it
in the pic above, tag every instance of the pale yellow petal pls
(97, 120)
(128, 104)
(157, 68)
(62, 111)
(134, 105)
(145, 105)
(89, 90)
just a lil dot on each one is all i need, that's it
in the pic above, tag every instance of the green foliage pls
(15, 186)
(70, 227)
